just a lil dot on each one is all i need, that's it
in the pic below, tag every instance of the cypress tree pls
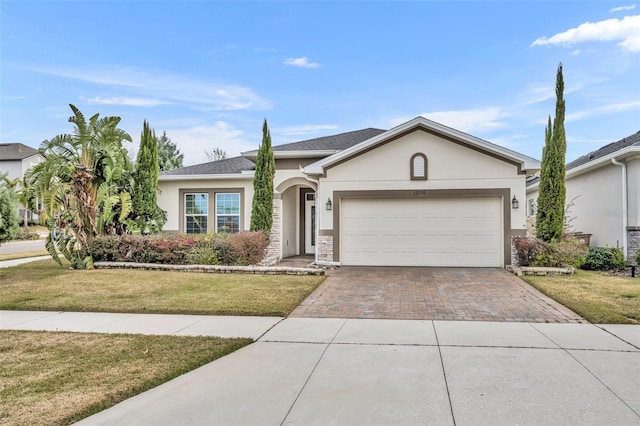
(552, 191)
(146, 177)
(262, 208)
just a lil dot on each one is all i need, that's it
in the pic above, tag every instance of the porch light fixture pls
(329, 204)
(514, 203)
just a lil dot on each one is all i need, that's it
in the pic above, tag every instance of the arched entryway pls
(298, 217)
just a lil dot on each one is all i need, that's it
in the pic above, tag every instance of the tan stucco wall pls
(597, 209)
(633, 182)
(450, 166)
(290, 226)
(169, 198)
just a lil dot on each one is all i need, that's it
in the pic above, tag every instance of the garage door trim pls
(505, 193)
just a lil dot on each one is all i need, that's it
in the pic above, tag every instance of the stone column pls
(273, 254)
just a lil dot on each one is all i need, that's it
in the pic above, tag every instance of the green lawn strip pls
(60, 378)
(598, 297)
(45, 285)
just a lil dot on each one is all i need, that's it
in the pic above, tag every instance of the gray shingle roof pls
(220, 167)
(16, 151)
(331, 143)
(632, 140)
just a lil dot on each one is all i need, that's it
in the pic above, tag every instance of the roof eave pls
(630, 151)
(228, 176)
(527, 163)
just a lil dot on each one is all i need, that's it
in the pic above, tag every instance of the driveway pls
(468, 294)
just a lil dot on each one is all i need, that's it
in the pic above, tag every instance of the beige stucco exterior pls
(598, 201)
(171, 200)
(449, 166)
(457, 166)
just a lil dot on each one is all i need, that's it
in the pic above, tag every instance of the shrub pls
(638, 258)
(25, 234)
(604, 259)
(566, 252)
(527, 249)
(248, 247)
(244, 248)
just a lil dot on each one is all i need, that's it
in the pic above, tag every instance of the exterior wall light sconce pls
(514, 203)
(329, 204)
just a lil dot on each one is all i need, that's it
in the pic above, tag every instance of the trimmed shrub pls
(25, 234)
(244, 248)
(604, 259)
(566, 252)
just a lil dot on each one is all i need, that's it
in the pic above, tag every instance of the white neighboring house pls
(606, 187)
(15, 160)
(420, 194)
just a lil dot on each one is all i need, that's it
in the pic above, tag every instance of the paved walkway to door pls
(471, 294)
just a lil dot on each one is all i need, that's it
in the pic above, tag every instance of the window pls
(228, 212)
(531, 207)
(419, 167)
(196, 213)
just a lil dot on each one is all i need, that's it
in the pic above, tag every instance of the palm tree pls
(82, 182)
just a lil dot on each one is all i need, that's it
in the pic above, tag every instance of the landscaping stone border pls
(213, 269)
(540, 271)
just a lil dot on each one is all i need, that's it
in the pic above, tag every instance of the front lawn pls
(60, 378)
(598, 297)
(45, 285)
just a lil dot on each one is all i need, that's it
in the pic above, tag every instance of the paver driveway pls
(475, 294)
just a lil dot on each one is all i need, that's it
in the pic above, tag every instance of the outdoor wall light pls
(514, 203)
(329, 204)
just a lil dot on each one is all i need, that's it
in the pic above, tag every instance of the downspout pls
(624, 204)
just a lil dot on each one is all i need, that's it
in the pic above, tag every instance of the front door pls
(310, 223)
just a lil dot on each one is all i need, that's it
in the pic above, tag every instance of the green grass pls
(23, 255)
(45, 285)
(598, 297)
(60, 378)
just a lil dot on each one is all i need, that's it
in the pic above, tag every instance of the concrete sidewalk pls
(179, 325)
(361, 371)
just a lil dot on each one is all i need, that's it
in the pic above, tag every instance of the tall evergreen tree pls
(262, 208)
(169, 156)
(8, 211)
(552, 191)
(145, 191)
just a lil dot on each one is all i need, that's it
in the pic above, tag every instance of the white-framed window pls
(228, 212)
(531, 207)
(196, 213)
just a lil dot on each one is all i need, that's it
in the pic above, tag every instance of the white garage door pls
(422, 232)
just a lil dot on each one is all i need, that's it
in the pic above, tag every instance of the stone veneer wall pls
(633, 240)
(325, 248)
(531, 227)
(273, 252)
(514, 253)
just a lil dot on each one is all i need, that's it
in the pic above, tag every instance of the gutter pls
(624, 205)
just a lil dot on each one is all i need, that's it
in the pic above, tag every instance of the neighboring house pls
(15, 160)
(418, 194)
(605, 188)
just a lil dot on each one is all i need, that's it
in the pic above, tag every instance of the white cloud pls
(470, 120)
(117, 100)
(172, 88)
(193, 141)
(305, 129)
(626, 29)
(622, 8)
(604, 109)
(302, 62)
(575, 52)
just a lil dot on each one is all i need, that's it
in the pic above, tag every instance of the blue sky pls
(209, 72)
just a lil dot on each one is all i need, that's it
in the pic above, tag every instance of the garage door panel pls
(422, 232)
